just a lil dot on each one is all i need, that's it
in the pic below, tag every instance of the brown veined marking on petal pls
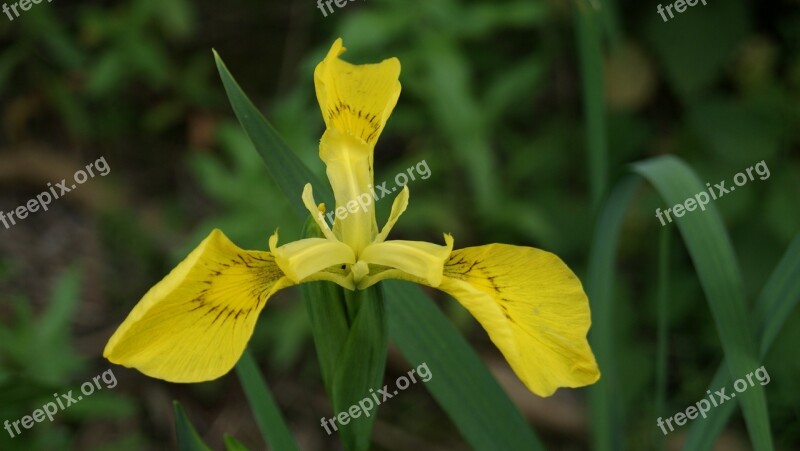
(258, 292)
(476, 274)
(357, 117)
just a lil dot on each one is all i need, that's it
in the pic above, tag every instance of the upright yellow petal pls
(398, 208)
(533, 308)
(194, 325)
(348, 164)
(356, 99)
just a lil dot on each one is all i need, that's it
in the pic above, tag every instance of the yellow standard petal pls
(533, 308)
(194, 325)
(356, 99)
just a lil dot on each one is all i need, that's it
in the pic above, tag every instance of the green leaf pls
(717, 268)
(590, 54)
(327, 313)
(606, 418)
(188, 440)
(283, 165)
(361, 365)
(778, 299)
(231, 444)
(268, 416)
(461, 382)
(349, 330)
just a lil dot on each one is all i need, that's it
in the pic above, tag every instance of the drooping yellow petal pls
(356, 99)
(194, 325)
(533, 308)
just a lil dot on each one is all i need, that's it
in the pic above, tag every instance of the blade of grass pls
(461, 383)
(268, 416)
(779, 296)
(606, 423)
(231, 444)
(188, 440)
(717, 268)
(609, 14)
(591, 68)
(778, 299)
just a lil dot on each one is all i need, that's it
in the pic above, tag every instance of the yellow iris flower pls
(194, 325)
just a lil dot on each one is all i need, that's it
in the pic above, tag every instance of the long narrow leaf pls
(778, 299)
(268, 416)
(361, 366)
(606, 418)
(188, 440)
(717, 268)
(327, 314)
(231, 444)
(461, 383)
(591, 62)
(351, 348)
(283, 165)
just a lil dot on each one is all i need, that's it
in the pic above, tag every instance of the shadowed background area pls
(492, 101)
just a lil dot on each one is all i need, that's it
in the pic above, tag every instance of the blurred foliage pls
(37, 359)
(491, 100)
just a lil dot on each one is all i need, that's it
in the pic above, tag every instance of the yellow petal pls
(418, 258)
(398, 207)
(194, 325)
(316, 213)
(349, 169)
(533, 308)
(356, 99)
(302, 258)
